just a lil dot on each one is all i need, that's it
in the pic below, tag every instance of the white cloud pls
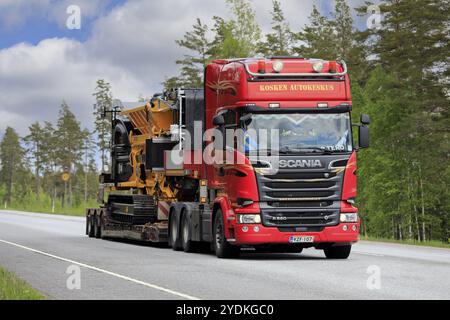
(133, 47)
(14, 13)
(35, 79)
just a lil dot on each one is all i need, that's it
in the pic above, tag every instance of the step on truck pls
(263, 158)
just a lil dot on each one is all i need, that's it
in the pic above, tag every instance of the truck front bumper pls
(255, 234)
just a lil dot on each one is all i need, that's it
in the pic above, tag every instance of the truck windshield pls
(300, 133)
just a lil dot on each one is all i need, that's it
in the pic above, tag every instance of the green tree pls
(335, 38)
(69, 146)
(279, 42)
(12, 162)
(343, 30)
(102, 108)
(89, 166)
(316, 38)
(35, 141)
(238, 37)
(192, 65)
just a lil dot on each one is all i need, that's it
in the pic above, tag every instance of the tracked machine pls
(166, 186)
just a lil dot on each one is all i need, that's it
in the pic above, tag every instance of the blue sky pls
(37, 27)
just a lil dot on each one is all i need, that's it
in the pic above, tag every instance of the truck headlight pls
(249, 218)
(349, 217)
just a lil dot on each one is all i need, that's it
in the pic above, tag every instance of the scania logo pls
(313, 163)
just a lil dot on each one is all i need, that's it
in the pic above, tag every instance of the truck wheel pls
(186, 242)
(338, 252)
(97, 228)
(87, 225)
(222, 247)
(174, 240)
(90, 222)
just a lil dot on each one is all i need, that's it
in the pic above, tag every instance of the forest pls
(399, 69)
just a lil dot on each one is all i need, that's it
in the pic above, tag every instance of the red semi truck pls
(291, 192)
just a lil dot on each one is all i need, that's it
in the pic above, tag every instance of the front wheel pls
(338, 252)
(222, 247)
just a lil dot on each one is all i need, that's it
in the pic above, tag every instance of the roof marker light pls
(262, 66)
(278, 66)
(333, 66)
(318, 66)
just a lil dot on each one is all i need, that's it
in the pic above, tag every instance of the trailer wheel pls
(222, 247)
(97, 227)
(337, 252)
(174, 239)
(90, 226)
(186, 243)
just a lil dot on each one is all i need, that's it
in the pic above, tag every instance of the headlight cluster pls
(349, 217)
(249, 218)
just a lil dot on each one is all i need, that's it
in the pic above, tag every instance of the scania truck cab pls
(298, 189)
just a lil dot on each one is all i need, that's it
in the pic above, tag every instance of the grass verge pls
(433, 243)
(37, 207)
(13, 288)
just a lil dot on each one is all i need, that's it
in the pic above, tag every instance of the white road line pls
(146, 284)
(369, 253)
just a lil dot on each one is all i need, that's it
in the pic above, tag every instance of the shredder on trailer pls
(157, 193)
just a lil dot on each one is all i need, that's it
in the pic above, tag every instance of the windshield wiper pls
(287, 149)
(267, 152)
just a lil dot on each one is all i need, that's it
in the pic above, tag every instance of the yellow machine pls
(150, 121)
(144, 182)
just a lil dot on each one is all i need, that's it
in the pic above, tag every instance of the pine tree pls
(240, 35)
(102, 108)
(348, 44)
(35, 142)
(343, 30)
(224, 43)
(69, 146)
(12, 162)
(88, 161)
(279, 42)
(192, 66)
(317, 38)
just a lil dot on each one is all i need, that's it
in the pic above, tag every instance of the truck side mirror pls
(365, 119)
(363, 137)
(219, 120)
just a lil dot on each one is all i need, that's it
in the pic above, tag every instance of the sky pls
(129, 43)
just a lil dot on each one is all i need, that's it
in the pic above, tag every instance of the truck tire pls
(90, 226)
(186, 243)
(221, 246)
(87, 225)
(97, 227)
(338, 252)
(174, 239)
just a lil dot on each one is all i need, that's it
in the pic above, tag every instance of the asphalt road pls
(40, 248)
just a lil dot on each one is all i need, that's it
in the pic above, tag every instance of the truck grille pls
(296, 198)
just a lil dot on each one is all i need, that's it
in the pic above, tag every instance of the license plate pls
(301, 239)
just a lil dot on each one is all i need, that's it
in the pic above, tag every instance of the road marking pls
(146, 284)
(369, 253)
